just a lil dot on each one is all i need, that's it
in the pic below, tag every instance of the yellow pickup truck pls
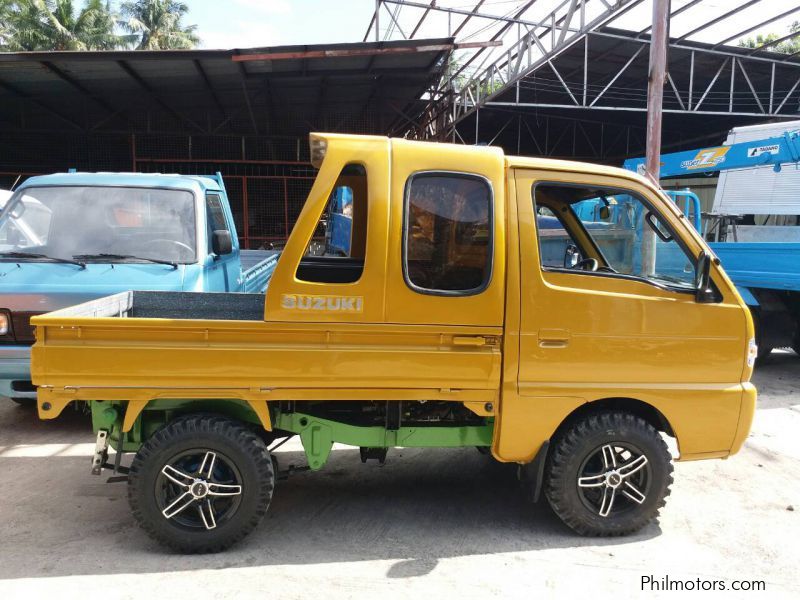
(560, 315)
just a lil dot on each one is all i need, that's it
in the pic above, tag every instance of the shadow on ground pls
(420, 507)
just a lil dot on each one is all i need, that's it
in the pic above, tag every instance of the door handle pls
(468, 340)
(553, 343)
(553, 338)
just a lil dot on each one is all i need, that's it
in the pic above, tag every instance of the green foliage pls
(28, 25)
(157, 23)
(789, 46)
(57, 25)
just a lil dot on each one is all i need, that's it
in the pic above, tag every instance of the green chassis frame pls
(316, 434)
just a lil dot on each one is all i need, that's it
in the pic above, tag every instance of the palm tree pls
(57, 25)
(158, 24)
(5, 7)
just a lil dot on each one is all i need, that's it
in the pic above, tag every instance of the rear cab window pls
(447, 233)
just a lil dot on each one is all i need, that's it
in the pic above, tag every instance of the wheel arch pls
(638, 408)
(533, 472)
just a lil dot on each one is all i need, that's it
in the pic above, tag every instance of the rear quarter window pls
(447, 235)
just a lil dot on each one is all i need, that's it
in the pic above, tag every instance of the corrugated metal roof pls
(189, 84)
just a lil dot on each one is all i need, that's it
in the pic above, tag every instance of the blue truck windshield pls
(67, 221)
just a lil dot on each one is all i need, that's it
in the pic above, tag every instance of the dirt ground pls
(436, 524)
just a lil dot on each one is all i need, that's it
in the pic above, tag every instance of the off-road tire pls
(203, 432)
(573, 447)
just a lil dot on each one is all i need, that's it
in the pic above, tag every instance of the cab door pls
(599, 320)
(223, 271)
(445, 275)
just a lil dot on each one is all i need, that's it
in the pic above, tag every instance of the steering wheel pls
(591, 263)
(181, 245)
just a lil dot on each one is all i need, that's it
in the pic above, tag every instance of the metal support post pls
(655, 97)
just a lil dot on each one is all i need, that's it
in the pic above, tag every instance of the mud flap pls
(531, 475)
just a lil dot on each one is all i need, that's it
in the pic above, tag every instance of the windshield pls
(63, 222)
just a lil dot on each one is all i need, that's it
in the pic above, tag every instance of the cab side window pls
(608, 231)
(216, 214)
(337, 250)
(447, 233)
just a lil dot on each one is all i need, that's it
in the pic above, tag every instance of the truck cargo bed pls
(170, 342)
(250, 258)
(173, 305)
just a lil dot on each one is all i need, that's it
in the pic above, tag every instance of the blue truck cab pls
(71, 237)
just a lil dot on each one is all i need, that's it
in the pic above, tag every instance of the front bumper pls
(15, 372)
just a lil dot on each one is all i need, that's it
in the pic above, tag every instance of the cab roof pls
(152, 180)
(552, 164)
(525, 162)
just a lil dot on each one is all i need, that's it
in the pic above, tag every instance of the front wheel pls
(608, 474)
(201, 483)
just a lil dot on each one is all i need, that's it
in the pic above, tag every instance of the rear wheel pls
(608, 474)
(201, 483)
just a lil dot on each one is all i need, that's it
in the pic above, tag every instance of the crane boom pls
(774, 151)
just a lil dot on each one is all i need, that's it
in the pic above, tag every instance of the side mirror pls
(221, 242)
(702, 279)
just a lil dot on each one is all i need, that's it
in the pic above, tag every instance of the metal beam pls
(674, 13)
(711, 85)
(495, 37)
(759, 26)
(394, 20)
(722, 17)
(421, 19)
(727, 51)
(211, 91)
(750, 84)
(77, 85)
(535, 105)
(620, 72)
(12, 89)
(152, 93)
(361, 51)
(776, 42)
(514, 66)
(524, 43)
(371, 22)
(472, 13)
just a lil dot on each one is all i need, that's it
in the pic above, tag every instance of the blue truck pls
(762, 259)
(72, 237)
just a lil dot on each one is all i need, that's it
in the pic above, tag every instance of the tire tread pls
(571, 442)
(196, 425)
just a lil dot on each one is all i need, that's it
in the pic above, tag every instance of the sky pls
(251, 23)
(254, 23)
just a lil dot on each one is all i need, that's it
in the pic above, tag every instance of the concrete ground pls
(437, 524)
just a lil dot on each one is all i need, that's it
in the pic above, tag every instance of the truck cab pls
(482, 301)
(68, 238)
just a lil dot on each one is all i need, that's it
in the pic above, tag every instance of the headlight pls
(3, 323)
